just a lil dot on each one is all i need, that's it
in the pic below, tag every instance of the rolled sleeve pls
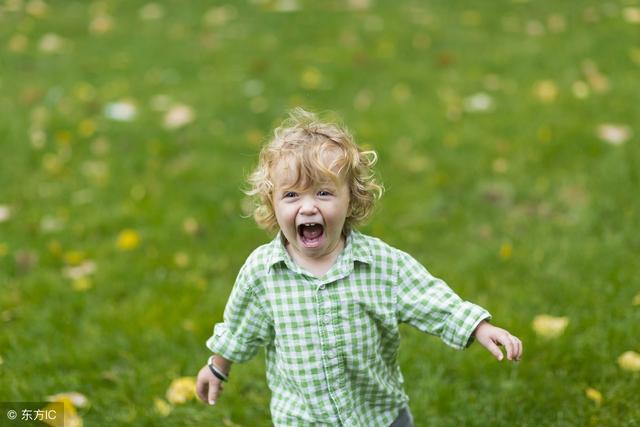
(428, 304)
(246, 326)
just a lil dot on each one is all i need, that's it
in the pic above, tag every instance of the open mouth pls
(310, 234)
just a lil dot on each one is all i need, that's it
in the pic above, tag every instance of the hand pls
(491, 337)
(208, 386)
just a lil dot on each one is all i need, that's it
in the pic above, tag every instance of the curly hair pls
(303, 140)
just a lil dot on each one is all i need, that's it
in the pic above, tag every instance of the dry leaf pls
(506, 250)
(311, 78)
(128, 239)
(546, 91)
(5, 213)
(614, 134)
(632, 15)
(122, 111)
(594, 395)
(478, 103)
(162, 407)
(87, 268)
(51, 43)
(629, 361)
(178, 116)
(151, 12)
(549, 326)
(181, 390)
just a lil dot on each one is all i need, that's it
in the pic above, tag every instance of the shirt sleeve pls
(246, 326)
(428, 304)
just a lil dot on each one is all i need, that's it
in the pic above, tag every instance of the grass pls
(520, 207)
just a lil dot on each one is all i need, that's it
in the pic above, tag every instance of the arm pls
(208, 386)
(492, 337)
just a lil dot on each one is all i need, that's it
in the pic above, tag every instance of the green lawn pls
(509, 147)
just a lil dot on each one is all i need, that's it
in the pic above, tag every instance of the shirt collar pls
(356, 249)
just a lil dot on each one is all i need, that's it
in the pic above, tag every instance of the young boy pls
(325, 300)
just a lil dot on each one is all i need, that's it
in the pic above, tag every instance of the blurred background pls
(507, 134)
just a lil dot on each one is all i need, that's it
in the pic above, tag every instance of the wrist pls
(217, 371)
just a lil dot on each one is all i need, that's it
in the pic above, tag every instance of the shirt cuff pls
(224, 343)
(462, 322)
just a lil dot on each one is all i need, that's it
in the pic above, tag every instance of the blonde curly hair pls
(303, 140)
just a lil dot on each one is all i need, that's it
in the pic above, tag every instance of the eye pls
(290, 194)
(324, 193)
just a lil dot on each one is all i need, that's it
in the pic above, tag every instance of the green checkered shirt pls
(332, 342)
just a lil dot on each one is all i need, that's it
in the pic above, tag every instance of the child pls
(325, 300)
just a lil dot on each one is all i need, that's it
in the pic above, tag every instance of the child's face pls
(311, 219)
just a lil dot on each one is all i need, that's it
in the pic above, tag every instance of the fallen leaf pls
(18, 43)
(178, 116)
(162, 406)
(75, 398)
(614, 134)
(478, 103)
(631, 15)
(548, 326)
(5, 213)
(151, 12)
(594, 395)
(506, 250)
(580, 89)
(636, 299)
(85, 269)
(545, 91)
(401, 92)
(36, 8)
(51, 43)
(181, 390)
(101, 24)
(122, 111)
(629, 361)
(311, 78)
(181, 259)
(81, 284)
(4, 249)
(128, 239)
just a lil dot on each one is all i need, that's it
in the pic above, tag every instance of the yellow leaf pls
(311, 78)
(73, 257)
(549, 326)
(179, 115)
(128, 239)
(81, 284)
(190, 226)
(636, 299)
(4, 249)
(162, 407)
(181, 259)
(594, 395)
(546, 91)
(506, 250)
(629, 361)
(86, 128)
(181, 390)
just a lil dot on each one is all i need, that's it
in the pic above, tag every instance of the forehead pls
(292, 170)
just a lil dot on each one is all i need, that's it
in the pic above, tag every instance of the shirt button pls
(326, 319)
(333, 354)
(321, 286)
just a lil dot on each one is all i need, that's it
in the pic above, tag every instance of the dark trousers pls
(405, 419)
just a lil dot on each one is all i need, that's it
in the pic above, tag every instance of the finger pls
(510, 345)
(519, 349)
(201, 390)
(494, 349)
(214, 391)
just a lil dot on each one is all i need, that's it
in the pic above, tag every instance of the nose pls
(308, 206)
